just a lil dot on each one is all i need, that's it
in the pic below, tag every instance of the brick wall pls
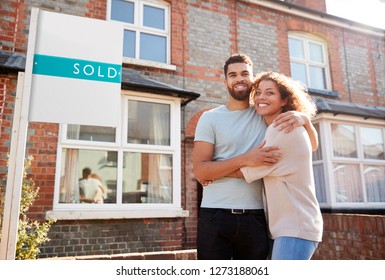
(111, 237)
(352, 237)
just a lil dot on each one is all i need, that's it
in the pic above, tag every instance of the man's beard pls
(240, 95)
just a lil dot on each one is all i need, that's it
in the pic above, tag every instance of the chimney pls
(318, 5)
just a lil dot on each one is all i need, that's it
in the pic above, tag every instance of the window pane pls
(298, 72)
(296, 48)
(317, 77)
(148, 123)
(147, 178)
(129, 42)
(98, 188)
(344, 141)
(153, 17)
(122, 11)
(153, 47)
(375, 183)
(347, 183)
(317, 154)
(91, 133)
(315, 52)
(319, 180)
(373, 142)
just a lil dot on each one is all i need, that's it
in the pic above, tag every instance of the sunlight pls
(370, 12)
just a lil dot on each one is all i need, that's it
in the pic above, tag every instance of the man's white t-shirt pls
(232, 133)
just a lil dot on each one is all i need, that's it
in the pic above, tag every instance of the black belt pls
(243, 211)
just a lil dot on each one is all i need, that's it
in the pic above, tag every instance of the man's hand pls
(289, 120)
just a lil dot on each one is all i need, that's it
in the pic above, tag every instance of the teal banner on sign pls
(76, 68)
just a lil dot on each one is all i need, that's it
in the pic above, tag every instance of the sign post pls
(72, 75)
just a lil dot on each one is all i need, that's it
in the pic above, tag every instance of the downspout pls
(346, 66)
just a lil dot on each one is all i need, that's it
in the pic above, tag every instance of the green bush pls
(31, 234)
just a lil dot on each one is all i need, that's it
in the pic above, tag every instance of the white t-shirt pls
(233, 133)
(92, 189)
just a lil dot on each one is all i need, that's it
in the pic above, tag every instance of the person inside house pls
(91, 188)
(293, 213)
(231, 221)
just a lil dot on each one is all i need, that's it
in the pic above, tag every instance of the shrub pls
(31, 234)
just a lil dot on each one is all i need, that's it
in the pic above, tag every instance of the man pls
(231, 221)
(91, 188)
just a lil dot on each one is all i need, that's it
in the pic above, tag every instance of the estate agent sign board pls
(76, 75)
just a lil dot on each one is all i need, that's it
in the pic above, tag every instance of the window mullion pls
(327, 155)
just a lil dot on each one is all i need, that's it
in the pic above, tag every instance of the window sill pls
(325, 93)
(115, 214)
(148, 63)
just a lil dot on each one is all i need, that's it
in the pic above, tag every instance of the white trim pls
(116, 214)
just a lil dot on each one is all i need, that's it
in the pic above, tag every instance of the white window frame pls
(324, 120)
(118, 210)
(139, 28)
(306, 39)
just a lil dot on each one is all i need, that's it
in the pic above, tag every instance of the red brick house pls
(173, 56)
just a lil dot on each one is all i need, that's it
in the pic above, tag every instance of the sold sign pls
(76, 68)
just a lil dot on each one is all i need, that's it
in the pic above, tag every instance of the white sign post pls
(72, 75)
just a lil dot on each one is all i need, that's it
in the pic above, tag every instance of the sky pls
(370, 12)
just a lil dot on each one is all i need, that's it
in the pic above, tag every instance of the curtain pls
(160, 166)
(69, 188)
(347, 183)
(375, 183)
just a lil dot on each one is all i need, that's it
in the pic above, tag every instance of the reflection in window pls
(373, 142)
(154, 17)
(319, 181)
(146, 29)
(344, 141)
(296, 48)
(147, 178)
(77, 185)
(91, 133)
(129, 43)
(148, 123)
(147, 51)
(375, 182)
(122, 11)
(308, 61)
(347, 182)
(318, 171)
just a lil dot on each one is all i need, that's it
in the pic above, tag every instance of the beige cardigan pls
(290, 202)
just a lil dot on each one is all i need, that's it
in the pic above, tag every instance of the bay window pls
(349, 169)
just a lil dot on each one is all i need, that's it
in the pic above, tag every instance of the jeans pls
(225, 236)
(293, 248)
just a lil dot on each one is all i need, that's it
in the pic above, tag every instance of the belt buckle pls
(237, 211)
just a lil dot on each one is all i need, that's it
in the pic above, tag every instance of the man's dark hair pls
(86, 172)
(236, 58)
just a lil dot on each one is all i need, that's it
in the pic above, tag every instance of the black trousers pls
(223, 235)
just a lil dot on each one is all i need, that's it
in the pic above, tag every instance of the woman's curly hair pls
(298, 98)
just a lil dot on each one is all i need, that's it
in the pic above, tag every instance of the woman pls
(292, 210)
